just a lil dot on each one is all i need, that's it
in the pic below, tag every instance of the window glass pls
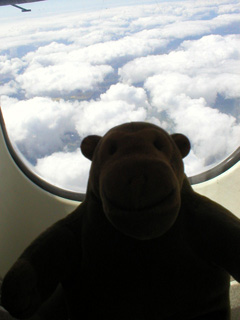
(73, 68)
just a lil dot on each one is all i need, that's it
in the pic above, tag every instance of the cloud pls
(9, 67)
(62, 78)
(39, 126)
(210, 55)
(121, 103)
(9, 88)
(175, 64)
(127, 48)
(185, 84)
(74, 166)
(213, 134)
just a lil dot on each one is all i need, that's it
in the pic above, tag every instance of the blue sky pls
(63, 6)
(56, 6)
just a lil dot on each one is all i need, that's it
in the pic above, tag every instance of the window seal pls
(77, 196)
(220, 168)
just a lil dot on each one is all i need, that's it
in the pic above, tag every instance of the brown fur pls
(143, 244)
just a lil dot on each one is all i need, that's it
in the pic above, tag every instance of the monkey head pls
(137, 173)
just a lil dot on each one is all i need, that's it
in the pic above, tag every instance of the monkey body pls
(142, 246)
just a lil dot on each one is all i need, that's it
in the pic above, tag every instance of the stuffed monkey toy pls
(141, 246)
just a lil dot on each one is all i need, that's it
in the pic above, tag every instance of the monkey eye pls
(158, 145)
(112, 148)
(162, 144)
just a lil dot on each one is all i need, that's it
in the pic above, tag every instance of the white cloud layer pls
(175, 64)
(39, 124)
(57, 79)
(213, 57)
(121, 103)
(74, 166)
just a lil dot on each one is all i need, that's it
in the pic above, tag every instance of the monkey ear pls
(88, 146)
(182, 143)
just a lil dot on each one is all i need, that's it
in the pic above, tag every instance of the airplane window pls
(73, 68)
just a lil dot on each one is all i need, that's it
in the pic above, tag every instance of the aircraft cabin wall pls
(25, 209)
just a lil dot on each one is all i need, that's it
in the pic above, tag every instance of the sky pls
(50, 7)
(71, 73)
